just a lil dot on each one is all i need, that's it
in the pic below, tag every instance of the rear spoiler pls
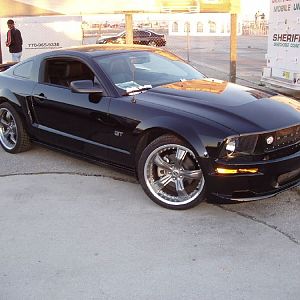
(6, 66)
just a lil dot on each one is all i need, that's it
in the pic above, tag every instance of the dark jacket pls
(16, 41)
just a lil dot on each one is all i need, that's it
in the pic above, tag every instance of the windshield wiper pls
(137, 90)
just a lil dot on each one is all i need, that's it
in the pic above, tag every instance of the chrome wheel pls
(8, 129)
(173, 175)
(152, 44)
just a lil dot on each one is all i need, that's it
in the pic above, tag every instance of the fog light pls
(254, 170)
(226, 171)
(236, 171)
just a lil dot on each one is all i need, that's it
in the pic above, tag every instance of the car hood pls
(239, 108)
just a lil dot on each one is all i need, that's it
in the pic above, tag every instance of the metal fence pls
(202, 41)
(258, 28)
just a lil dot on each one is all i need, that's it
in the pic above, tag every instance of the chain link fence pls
(201, 39)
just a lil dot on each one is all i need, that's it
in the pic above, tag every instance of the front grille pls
(289, 150)
(281, 139)
(285, 142)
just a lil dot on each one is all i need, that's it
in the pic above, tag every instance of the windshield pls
(121, 34)
(145, 68)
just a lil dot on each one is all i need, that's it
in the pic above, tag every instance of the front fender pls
(198, 135)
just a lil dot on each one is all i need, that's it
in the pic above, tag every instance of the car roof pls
(96, 50)
(99, 50)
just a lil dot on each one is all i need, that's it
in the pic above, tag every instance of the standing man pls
(14, 41)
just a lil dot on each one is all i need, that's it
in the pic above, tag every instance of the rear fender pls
(7, 95)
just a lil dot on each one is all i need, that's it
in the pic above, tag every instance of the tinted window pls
(63, 71)
(24, 70)
(121, 34)
(146, 68)
(141, 34)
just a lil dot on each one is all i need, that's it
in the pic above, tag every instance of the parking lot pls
(211, 54)
(74, 230)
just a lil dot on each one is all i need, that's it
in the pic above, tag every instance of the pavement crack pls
(69, 173)
(254, 219)
(249, 217)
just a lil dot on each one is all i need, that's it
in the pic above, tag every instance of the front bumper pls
(273, 177)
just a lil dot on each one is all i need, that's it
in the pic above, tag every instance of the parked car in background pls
(142, 37)
(143, 109)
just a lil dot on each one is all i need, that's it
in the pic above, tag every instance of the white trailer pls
(283, 56)
(42, 34)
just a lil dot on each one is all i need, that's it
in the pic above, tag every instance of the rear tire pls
(170, 173)
(13, 136)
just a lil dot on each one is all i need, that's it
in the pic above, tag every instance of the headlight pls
(239, 145)
(230, 145)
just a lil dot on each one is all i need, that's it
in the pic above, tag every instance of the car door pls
(126, 117)
(141, 37)
(73, 121)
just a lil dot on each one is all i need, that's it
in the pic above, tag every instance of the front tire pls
(170, 173)
(13, 136)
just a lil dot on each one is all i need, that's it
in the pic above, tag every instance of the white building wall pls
(221, 23)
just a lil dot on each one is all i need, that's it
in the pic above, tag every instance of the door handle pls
(40, 97)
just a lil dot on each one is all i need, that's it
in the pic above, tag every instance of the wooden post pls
(0, 48)
(129, 28)
(188, 44)
(233, 47)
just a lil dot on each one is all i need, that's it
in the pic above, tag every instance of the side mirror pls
(85, 87)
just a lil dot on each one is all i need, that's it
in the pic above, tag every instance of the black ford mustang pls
(145, 110)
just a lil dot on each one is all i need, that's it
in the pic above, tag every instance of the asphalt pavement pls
(211, 56)
(74, 230)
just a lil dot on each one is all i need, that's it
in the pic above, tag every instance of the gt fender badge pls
(118, 133)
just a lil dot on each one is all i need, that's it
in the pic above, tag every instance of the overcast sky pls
(248, 7)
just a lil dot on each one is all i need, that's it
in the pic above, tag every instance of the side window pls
(200, 27)
(62, 72)
(175, 27)
(24, 70)
(146, 34)
(141, 34)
